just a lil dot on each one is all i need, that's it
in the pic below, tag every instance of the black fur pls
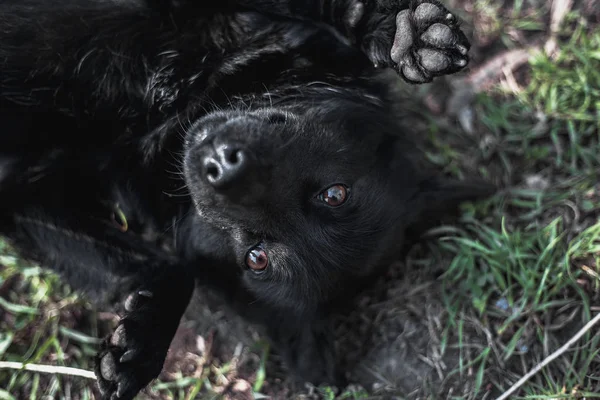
(113, 113)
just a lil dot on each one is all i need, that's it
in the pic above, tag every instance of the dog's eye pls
(334, 195)
(257, 259)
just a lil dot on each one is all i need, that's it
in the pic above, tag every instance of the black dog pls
(251, 146)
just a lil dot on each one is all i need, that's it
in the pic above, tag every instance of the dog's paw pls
(428, 43)
(134, 354)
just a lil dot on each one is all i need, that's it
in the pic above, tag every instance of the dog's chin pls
(287, 299)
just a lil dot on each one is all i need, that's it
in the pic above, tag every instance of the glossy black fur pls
(108, 109)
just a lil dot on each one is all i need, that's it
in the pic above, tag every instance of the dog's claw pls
(461, 62)
(128, 356)
(135, 300)
(145, 293)
(123, 387)
(118, 338)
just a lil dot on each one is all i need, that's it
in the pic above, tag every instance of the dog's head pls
(312, 194)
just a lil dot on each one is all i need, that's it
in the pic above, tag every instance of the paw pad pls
(433, 60)
(428, 12)
(118, 338)
(438, 35)
(108, 367)
(428, 43)
(404, 36)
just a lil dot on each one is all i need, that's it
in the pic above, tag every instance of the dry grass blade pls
(485, 76)
(48, 369)
(560, 8)
(550, 358)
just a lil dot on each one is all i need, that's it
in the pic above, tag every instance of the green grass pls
(522, 269)
(43, 322)
(38, 316)
(525, 265)
(509, 281)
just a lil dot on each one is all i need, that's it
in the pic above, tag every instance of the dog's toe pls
(414, 74)
(404, 37)
(439, 35)
(428, 12)
(108, 367)
(433, 60)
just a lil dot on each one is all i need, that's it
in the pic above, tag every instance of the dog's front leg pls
(134, 354)
(307, 348)
(420, 39)
(85, 251)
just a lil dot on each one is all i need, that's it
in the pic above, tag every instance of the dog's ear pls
(442, 193)
(440, 197)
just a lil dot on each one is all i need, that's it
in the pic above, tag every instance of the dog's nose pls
(225, 165)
